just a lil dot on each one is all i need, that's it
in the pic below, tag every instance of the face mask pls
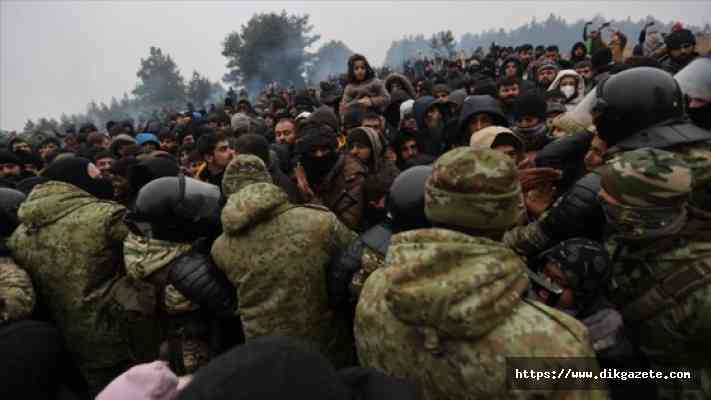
(568, 91)
(701, 116)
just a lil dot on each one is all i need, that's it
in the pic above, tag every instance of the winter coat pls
(431, 142)
(341, 191)
(275, 254)
(579, 89)
(372, 88)
(447, 310)
(681, 329)
(70, 243)
(402, 80)
(17, 296)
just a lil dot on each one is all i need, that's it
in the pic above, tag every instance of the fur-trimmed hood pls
(402, 81)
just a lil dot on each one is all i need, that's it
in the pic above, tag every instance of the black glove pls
(579, 204)
(197, 278)
(341, 271)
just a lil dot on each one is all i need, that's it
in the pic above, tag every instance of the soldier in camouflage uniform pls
(70, 243)
(17, 297)
(662, 262)
(640, 107)
(450, 306)
(276, 254)
(172, 215)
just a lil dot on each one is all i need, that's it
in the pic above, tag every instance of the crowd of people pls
(394, 238)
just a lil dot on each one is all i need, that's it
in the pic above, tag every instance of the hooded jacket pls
(573, 59)
(448, 309)
(402, 80)
(275, 254)
(579, 88)
(476, 105)
(431, 142)
(76, 273)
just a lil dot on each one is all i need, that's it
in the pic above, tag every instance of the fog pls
(57, 56)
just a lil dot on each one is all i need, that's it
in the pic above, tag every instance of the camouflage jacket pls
(17, 297)
(70, 244)
(448, 310)
(275, 254)
(533, 238)
(144, 257)
(683, 329)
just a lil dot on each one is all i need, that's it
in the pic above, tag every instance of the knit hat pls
(74, 170)
(8, 157)
(153, 381)
(406, 108)
(473, 188)
(678, 38)
(530, 104)
(268, 368)
(244, 170)
(324, 115)
(548, 64)
(240, 122)
(146, 137)
(647, 178)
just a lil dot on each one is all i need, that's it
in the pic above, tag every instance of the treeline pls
(553, 31)
(161, 88)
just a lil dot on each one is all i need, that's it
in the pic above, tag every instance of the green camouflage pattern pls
(370, 261)
(243, 170)
(531, 239)
(276, 255)
(647, 178)
(70, 244)
(683, 329)
(447, 310)
(145, 256)
(17, 297)
(474, 188)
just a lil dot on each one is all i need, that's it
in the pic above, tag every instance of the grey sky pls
(56, 56)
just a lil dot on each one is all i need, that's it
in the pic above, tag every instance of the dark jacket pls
(342, 190)
(431, 142)
(573, 59)
(476, 105)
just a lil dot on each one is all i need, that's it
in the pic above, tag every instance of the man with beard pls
(10, 168)
(681, 47)
(508, 90)
(525, 55)
(546, 74)
(584, 69)
(217, 153)
(430, 124)
(695, 83)
(326, 177)
(578, 53)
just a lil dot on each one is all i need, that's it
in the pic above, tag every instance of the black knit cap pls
(530, 104)
(676, 39)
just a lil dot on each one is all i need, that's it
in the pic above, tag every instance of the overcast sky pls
(56, 56)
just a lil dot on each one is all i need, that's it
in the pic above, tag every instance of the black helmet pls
(10, 200)
(406, 202)
(636, 99)
(179, 209)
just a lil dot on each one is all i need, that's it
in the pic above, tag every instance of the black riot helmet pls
(10, 200)
(180, 209)
(633, 100)
(406, 202)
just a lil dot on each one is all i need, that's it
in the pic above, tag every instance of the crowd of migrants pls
(388, 239)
